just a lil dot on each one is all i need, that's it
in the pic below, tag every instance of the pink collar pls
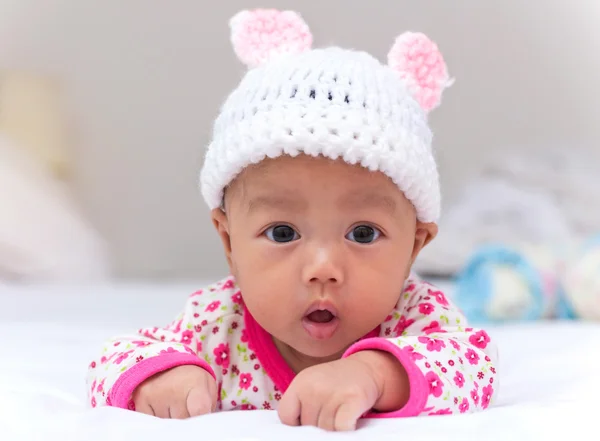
(261, 343)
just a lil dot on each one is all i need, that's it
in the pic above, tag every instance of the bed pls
(548, 379)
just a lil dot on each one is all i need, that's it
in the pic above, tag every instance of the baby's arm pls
(127, 361)
(450, 368)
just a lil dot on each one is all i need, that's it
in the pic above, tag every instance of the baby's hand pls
(180, 392)
(333, 396)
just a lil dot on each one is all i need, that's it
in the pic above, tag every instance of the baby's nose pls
(324, 265)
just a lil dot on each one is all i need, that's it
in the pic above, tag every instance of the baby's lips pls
(322, 305)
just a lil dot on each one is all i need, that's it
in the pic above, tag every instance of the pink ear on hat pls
(262, 34)
(418, 60)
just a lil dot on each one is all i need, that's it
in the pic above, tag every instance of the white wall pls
(145, 78)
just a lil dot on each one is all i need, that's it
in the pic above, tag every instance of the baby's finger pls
(143, 406)
(199, 401)
(309, 412)
(160, 410)
(289, 408)
(326, 419)
(347, 415)
(178, 411)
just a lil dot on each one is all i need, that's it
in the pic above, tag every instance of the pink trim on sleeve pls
(120, 393)
(419, 388)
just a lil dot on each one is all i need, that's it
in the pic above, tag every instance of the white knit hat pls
(332, 102)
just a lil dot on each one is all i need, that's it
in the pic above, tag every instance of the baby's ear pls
(418, 61)
(260, 35)
(221, 224)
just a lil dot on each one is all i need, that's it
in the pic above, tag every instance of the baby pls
(323, 189)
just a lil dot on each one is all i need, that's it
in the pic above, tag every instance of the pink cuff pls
(121, 392)
(419, 388)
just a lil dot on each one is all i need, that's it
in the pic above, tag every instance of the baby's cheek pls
(266, 288)
(376, 294)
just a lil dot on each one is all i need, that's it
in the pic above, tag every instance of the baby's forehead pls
(314, 179)
(288, 168)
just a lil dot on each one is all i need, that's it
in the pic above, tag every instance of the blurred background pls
(106, 108)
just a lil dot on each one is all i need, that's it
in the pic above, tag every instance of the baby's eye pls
(281, 234)
(363, 234)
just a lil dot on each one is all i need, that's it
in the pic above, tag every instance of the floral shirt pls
(451, 367)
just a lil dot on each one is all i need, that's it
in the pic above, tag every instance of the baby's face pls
(320, 250)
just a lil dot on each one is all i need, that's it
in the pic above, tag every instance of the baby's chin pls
(324, 354)
(322, 350)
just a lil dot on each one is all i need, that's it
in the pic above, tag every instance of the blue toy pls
(507, 284)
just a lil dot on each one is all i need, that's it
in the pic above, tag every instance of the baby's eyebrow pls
(265, 202)
(369, 199)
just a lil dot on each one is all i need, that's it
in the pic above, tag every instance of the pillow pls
(43, 237)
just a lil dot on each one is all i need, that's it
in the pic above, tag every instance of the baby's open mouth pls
(321, 324)
(321, 316)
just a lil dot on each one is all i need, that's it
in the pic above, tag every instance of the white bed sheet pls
(548, 377)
